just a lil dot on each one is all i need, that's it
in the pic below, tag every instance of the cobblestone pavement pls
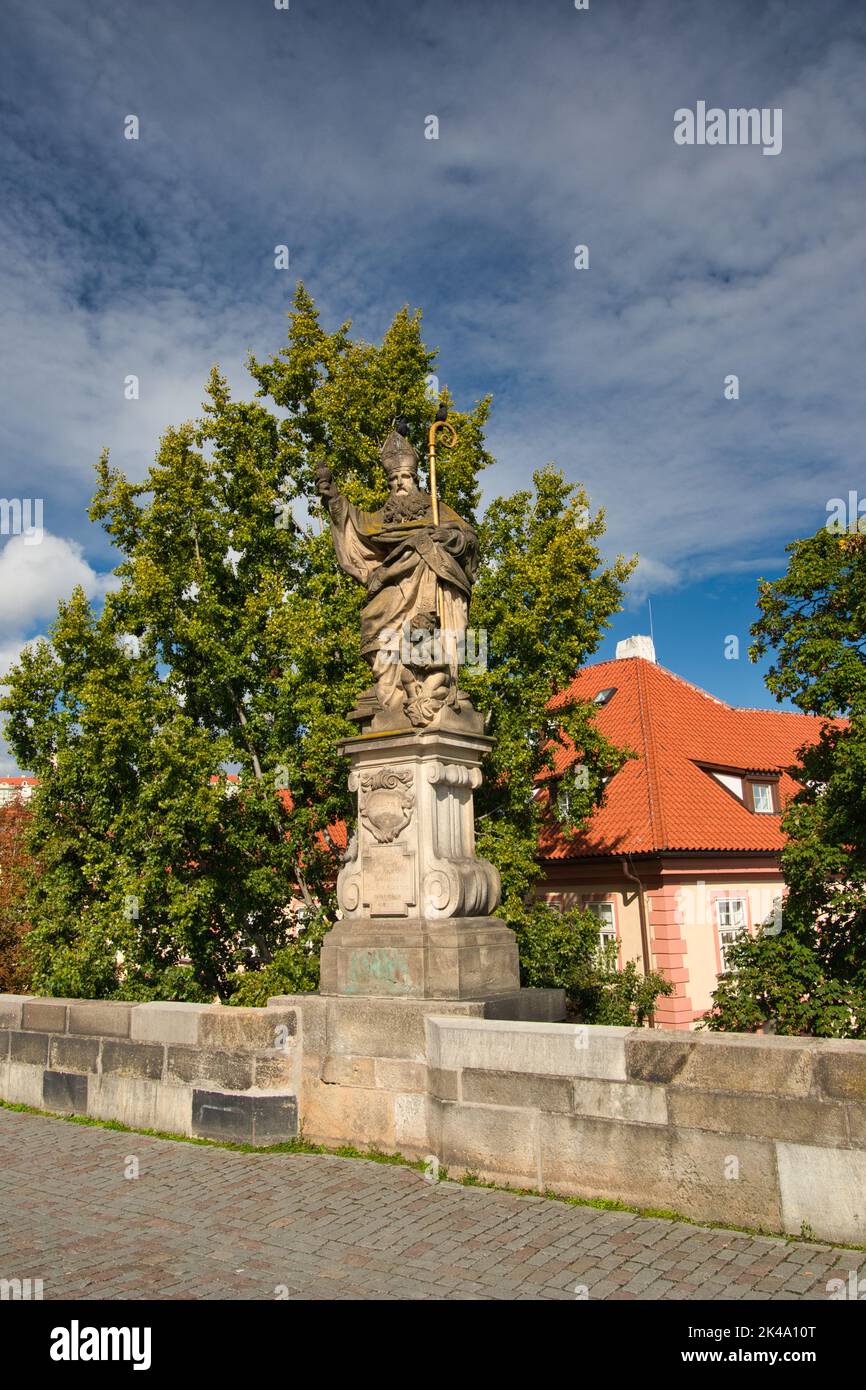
(209, 1223)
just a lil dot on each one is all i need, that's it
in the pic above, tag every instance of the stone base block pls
(248, 1117)
(64, 1091)
(455, 958)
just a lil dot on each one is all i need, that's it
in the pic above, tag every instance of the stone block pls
(73, 1054)
(275, 1118)
(139, 1103)
(45, 1015)
(357, 1115)
(100, 1018)
(11, 1009)
(138, 1059)
(396, 1074)
(4, 1045)
(386, 1027)
(653, 1055)
(29, 1047)
(824, 1189)
(65, 1092)
(419, 958)
(23, 1085)
(857, 1123)
(252, 1118)
(701, 1188)
(410, 1123)
(528, 1006)
(841, 1070)
(798, 1119)
(275, 1070)
(349, 1071)
(522, 1089)
(593, 1157)
(545, 1049)
(655, 1166)
(442, 1084)
(497, 1143)
(746, 1062)
(255, 1029)
(311, 1012)
(635, 1102)
(232, 1071)
(167, 1022)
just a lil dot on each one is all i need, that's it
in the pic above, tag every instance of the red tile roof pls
(664, 799)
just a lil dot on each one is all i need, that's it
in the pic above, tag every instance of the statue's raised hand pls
(325, 482)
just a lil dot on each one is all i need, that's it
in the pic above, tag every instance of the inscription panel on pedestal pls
(389, 880)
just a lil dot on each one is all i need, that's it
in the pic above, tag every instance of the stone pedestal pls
(416, 901)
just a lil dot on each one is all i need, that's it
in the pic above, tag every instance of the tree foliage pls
(186, 736)
(812, 977)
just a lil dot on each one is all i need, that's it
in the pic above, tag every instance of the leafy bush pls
(621, 998)
(781, 982)
(560, 950)
(176, 982)
(294, 968)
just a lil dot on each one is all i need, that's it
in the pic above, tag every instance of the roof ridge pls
(707, 694)
(654, 792)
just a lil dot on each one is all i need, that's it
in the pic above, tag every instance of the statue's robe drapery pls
(402, 565)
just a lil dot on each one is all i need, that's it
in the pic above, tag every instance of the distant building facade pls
(685, 851)
(16, 789)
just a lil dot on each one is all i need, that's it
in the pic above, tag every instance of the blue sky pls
(306, 127)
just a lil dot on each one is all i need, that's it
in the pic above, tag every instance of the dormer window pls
(763, 800)
(759, 793)
(604, 695)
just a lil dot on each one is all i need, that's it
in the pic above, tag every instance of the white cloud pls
(34, 577)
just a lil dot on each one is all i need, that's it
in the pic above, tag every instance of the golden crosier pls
(434, 495)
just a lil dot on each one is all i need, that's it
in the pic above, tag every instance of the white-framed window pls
(606, 923)
(731, 922)
(762, 793)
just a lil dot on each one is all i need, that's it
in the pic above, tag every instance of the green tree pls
(185, 737)
(811, 978)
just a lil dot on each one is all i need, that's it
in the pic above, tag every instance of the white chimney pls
(636, 646)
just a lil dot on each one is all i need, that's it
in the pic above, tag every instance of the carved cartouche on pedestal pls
(414, 851)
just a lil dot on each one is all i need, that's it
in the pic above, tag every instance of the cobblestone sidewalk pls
(208, 1223)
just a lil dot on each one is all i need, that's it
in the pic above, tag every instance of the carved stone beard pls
(410, 506)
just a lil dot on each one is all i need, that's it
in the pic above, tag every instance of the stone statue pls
(416, 900)
(418, 577)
